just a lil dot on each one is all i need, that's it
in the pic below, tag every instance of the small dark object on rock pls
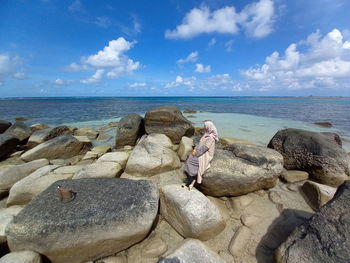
(66, 193)
(324, 124)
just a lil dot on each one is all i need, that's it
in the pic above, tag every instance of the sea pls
(255, 119)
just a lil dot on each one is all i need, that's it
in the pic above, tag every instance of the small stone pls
(239, 240)
(155, 248)
(275, 197)
(249, 220)
(293, 187)
(324, 124)
(21, 257)
(292, 176)
(86, 131)
(241, 202)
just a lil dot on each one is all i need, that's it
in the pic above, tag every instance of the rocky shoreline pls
(287, 202)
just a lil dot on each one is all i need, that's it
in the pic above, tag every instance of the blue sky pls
(174, 48)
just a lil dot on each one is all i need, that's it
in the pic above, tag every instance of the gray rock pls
(191, 213)
(5, 219)
(185, 147)
(21, 257)
(314, 153)
(64, 146)
(152, 155)
(10, 175)
(193, 251)
(239, 240)
(239, 169)
(44, 135)
(168, 120)
(325, 237)
(20, 130)
(8, 144)
(130, 128)
(118, 157)
(86, 131)
(107, 216)
(100, 170)
(292, 176)
(333, 136)
(4, 125)
(317, 195)
(39, 126)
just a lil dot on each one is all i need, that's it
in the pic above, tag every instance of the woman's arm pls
(201, 150)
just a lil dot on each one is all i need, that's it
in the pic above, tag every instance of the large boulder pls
(10, 175)
(4, 125)
(313, 152)
(8, 143)
(64, 146)
(325, 237)
(191, 213)
(130, 128)
(239, 169)
(192, 251)
(100, 170)
(20, 130)
(185, 147)
(44, 135)
(106, 216)
(168, 120)
(152, 155)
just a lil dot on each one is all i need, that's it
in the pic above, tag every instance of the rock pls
(239, 240)
(275, 197)
(317, 195)
(113, 123)
(292, 176)
(191, 116)
(9, 176)
(44, 135)
(70, 161)
(155, 248)
(226, 257)
(107, 216)
(20, 130)
(240, 169)
(240, 202)
(113, 259)
(324, 124)
(64, 146)
(250, 220)
(118, 157)
(26, 189)
(190, 111)
(323, 238)
(190, 212)
(333, 136)
(13, 210)
(4, 125)
(38, 126)
(168, 120)
(193, 251)
(97, 152)
(199, 131)
(83, 139)
(100, 170)
(5, 219)
(314, 153)
(225, 141)
(185, 147)
(86, 131)
(8, 144)
(130, 128)
(152, 155)
(21, 257)
(102, 136)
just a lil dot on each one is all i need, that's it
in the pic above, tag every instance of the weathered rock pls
(323, 238)
(117, 157)
(8, 144)
(70, 161)
(240, 202)
(4, 125)
(239, 169)
(97, 152)
(199, 131)
(314, 153)
(190, 111)
(130, 128)
(100, 170)
(112, 259)
(107, 216)
(193, 251)
(20, 130)
(155, 248)
(102, 136)
(292, 176)
(250, 220)
(333, 136)
(225, 141)
(39, 126)
(239, 240)
(21, 257)
(44, 135)
(86, 131)
(64, 146)
(152, 155)
(9, 176)
(324, 124)
(113, 124)
(190, 212)
(316, 194)
(5, 219)
(185, 147)
(168, 120)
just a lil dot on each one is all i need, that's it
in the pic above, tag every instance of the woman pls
(199, 161)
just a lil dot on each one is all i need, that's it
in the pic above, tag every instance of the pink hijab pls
(210, 130)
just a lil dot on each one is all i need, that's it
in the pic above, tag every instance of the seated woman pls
(199, 161)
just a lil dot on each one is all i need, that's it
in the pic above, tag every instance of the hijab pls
(210, 130)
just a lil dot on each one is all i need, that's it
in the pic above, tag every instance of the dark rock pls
(190, 111)
(44, 135)
(130, 128)
(169, 121)
(8, 144)
(324, 124)
(4, 125)
(333, 136)
(20, 130)
(313, 152)
(239, 169)
(107, 216)
(325, 237)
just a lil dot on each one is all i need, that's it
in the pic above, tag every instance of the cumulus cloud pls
(318, 61)
(137, 84)
(95, 78)
(181, 81)
(192, 57)
(200, 68)
(256, 19)
(9, 67)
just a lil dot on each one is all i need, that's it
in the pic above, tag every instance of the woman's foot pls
(191, 185)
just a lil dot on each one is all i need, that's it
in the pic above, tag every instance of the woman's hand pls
(194, 152)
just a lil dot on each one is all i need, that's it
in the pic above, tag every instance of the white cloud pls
(200, 68)
(223, 82)
(229, 45)
(192, 57)
(181, 81)
(137, 84)
(95, 78)
(19, 75)
(324, 62)
(76, 6)
(256, 19)
(102, 21)
(212, 42)
(9, 67)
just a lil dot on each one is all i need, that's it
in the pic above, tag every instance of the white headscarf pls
(210, 130)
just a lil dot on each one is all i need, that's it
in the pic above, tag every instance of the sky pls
(54, 48)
